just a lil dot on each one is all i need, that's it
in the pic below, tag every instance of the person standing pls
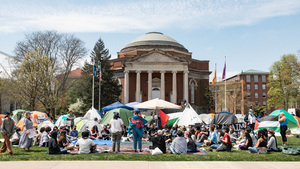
(71, 117)
(137, 122)
(7, 130)
(25, 141)
(116, 125)
(283, 127)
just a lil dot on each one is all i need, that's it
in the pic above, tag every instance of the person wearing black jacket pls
(53, 146)
(158, 141)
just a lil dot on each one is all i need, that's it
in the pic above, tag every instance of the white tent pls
(189, 117)
(205, 118)
(92, 114)
(156, 104)
(81, 125)
(78, 119)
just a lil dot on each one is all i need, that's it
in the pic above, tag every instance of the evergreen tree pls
(110, 89)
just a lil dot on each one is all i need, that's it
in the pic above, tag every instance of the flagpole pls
(216, 102)
(93, 83)
(100, 71)
(225, 86)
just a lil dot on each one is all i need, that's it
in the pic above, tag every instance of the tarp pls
(157, 104)
(125, 114)
(224, 118)
(36, 117)
(205, 118)
(189, 117)
(291, 121)
(46, 124)
(81, 125)
(17, 115)
(92, 114)
(114, 106)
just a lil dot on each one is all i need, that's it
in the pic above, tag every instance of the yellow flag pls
(214, 79)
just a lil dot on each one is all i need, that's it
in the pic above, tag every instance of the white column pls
(174, 87)
(162, 84)
(138, 86)
(126, 87)
(186, 86)
(150, 84)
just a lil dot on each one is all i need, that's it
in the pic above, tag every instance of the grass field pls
(39, 154)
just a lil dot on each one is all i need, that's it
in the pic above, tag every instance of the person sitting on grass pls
(261, 144)
(45, 137)
(212, 138)
(242, 137)
(95, 134)
(38, 137)
(63, 142)
(16, 137)
(232, 134)
(53, 146)
(73, 134)
(85, 145)
(272, 143)
(202, 135)
(105, 134)
(248, 143)
(191, 145)
(226, 145)
(219, 140)
(179, 144)
(158, 141)
(167, 134)
(253, 137)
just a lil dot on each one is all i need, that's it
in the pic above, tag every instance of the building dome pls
(154, 40)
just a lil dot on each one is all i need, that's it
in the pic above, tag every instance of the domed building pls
(157, 66)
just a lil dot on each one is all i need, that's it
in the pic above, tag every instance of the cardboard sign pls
(31, 133)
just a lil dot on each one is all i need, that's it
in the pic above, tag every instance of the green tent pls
(125, 114)
(291, 122)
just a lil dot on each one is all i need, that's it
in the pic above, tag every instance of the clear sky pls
(252, 34)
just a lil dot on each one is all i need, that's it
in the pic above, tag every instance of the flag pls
(100, 74)
(163, 118)
(214, 79)
(94, 70)
(224, 71)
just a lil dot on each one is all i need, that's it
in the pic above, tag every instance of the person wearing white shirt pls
(85, 144)
(116, 125)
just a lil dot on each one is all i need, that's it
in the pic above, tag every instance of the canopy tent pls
(291, 121)
(81, 125)
(268, 122)
(240, 118)
(61, 121)
(115, 106)
(46, 124)
(92, 114)
(36, 117)
(17, 115)
(125, 114)
(132, 104)
(157, 104)
(205, 118)
(189, 117)
(224, 118)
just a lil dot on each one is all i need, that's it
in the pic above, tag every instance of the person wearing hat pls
(283, 127)
(226, 145)
(25, 141)
(116, 126)
(158, 141)
(272, 143)
(7, 130)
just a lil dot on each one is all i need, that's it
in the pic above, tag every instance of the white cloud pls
(128, 16)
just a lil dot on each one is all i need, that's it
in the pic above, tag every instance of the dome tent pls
(224, 118)
(81, 125)
(123, 113)
(92, 114)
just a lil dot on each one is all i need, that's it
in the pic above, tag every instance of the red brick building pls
(156, 66)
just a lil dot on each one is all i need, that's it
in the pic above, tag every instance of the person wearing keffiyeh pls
(137, 123)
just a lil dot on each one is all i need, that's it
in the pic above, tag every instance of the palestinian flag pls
(163, 118)
(172, 121)
(268, 122)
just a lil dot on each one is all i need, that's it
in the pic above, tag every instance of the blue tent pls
(114, 106)
(132, 104)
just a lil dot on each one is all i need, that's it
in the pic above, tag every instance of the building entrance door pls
(155, 92)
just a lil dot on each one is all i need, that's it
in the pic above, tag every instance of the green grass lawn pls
(39, 153)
